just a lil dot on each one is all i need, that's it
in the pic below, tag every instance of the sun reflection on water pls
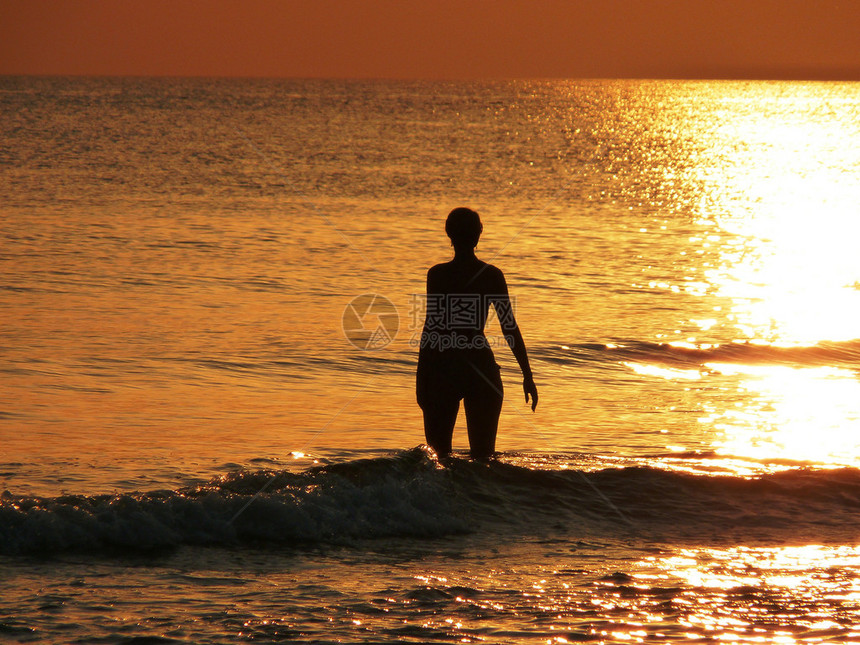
(806, 414)
(794, 593)
(789, 264)
(776, 262)
(795, 280)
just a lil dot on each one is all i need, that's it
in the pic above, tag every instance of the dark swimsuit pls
(472, 375)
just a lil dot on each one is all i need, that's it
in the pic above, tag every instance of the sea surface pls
(210, 294)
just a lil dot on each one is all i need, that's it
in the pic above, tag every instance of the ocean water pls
(198, 443)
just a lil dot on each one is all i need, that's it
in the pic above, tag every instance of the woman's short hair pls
(464, 227)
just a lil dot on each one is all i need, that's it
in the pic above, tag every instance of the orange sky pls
(433, 38)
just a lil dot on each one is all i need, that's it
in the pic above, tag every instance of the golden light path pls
(801, 414)
(782, 268)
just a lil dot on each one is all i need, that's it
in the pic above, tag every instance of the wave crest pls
(840, 354)
(411, 495)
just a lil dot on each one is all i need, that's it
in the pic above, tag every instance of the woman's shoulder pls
(493, 275)
(493, 270)
(451, 270)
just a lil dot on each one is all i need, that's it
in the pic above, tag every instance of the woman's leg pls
(483, 404)
(440, 415)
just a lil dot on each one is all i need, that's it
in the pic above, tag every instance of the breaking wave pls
(412, 495)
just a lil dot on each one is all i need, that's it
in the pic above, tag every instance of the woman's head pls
(464, 228)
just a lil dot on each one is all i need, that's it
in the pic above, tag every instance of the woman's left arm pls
(514, 338)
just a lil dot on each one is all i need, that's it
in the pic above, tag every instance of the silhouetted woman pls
(455, 360)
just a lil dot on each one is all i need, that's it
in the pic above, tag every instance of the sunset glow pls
(282, 281)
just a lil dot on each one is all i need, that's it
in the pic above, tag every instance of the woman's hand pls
(530, 389)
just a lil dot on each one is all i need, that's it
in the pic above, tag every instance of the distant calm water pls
(193, 449)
